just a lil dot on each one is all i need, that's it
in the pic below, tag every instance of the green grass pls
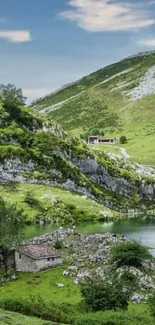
(95, 78)
(107, 148)
(46, 195)
(9, 318)
(135, 315)
(44, 284)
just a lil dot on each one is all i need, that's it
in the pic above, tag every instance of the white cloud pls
(108, 15)
(151, 3)
(147, 42)
(3, 19)
(16, 36)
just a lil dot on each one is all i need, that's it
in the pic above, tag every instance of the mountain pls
(47, 173)
(119, 98)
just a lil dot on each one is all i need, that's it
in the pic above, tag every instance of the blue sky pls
(45, 44)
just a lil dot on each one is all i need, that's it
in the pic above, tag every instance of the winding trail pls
(122, 150)
(124, 153)
(58, 105)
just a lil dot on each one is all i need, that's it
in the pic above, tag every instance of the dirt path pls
(124, 153)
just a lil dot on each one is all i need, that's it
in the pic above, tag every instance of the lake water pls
(142, 229)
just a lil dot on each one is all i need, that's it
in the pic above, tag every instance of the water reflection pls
(142, 229)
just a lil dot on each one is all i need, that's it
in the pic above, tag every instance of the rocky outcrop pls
(91, 256)
(14, 170)
(99, 174)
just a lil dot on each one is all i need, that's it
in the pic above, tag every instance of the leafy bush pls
(94, 132)
(105, 295)
(36, 306)
(133, 316)
(58, 244)
(130, 253)
(123, 139)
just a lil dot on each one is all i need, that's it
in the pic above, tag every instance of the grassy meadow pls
(10, 318)
(69, 297)
(54, 202)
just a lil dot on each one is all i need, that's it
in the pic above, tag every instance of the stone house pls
(101, 139)
(35, 258)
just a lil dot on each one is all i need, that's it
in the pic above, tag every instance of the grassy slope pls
(45, 284)
(9, 318)
(100, 107)
(18, 140)
(16, 194)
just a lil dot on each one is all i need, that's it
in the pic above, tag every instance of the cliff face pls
(88, 173)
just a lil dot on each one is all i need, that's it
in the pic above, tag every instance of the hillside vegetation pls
(119, 99)
(9, 318)
(36, 151)
(41, 203)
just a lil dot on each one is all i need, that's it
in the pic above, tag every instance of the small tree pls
(136, 199)
(95, 132)
(85, 135)
(130, 253)
(11, 230)
(102, 132)
(123, 139)
(10, 94)
(101, 294)
(12, 98)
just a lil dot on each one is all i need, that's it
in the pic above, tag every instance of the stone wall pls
(26, 264)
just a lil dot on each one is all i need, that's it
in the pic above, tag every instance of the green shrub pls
(130, 253)
(133, 316)
(89, 132)
(123, 139)
(101, 294)
(36, 306)
(58, 244)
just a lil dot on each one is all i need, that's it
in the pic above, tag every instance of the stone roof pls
(38, 251)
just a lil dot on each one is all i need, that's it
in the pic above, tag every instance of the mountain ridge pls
(63, 87)
(118, 98)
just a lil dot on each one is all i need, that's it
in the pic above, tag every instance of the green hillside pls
(119, 99)
(9, 318)
(36, 154)
(41, 203)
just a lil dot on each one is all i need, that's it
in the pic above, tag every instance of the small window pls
(48, 259)
(53, 258)
(20, 256)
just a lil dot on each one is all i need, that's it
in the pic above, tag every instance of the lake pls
(141, 229)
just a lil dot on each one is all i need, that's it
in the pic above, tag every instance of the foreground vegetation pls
(10, 318)
(93, 302)
(64, 302)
